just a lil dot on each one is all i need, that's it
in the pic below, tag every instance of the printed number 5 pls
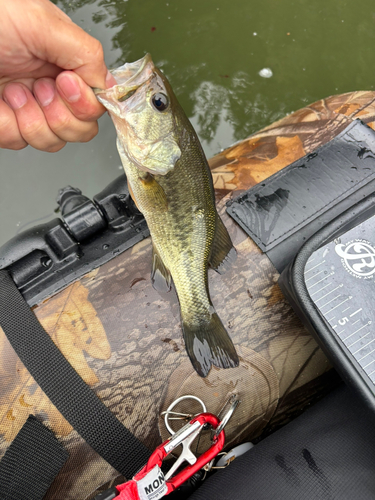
(342, 321)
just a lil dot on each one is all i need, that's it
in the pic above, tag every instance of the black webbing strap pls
(31, 463)
(64, 387)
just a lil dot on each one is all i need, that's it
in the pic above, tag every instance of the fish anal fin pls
(160, 276)
(223, 253)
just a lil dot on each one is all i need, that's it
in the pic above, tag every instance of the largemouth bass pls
(170, 182)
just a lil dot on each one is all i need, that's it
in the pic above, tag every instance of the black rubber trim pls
(292, 284)
(64, 387)
(31, 463)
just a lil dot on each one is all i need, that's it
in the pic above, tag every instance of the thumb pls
(63, 43)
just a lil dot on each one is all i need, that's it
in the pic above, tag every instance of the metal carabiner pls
(234, 403)
(185, 436)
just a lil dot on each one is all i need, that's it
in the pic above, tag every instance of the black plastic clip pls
(46, 258)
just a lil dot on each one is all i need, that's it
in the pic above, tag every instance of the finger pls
(59, 117)
(28, 82)
(30, 118)
(63, 43)
(78, 96)
(46, 70)
(10, 136)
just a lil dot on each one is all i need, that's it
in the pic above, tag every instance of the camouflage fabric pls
(125, 340)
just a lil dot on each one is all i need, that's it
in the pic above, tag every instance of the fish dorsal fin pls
(223, 253)
(160, 276)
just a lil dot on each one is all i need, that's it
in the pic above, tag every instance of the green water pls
(212, 53)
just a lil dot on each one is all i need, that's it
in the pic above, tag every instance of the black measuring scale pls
(315, 220)
(331, 285)
(339, 278)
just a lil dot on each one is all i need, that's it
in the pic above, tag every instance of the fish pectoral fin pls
(223, 253)
(157, 199)
(160, 276)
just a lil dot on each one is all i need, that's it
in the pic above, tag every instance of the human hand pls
(48, 65)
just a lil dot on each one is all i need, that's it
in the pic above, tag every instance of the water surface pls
(213, 53)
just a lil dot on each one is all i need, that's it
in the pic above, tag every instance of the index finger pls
(78, 96)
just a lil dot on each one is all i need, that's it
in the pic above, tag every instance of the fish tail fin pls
(208, 343)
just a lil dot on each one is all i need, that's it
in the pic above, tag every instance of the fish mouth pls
(130, 76)
(156, 152)
(129, 73)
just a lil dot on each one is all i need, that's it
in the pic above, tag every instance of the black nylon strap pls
(64, 387)
(31, 463)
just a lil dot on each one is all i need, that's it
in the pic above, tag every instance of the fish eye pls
(160, 101)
